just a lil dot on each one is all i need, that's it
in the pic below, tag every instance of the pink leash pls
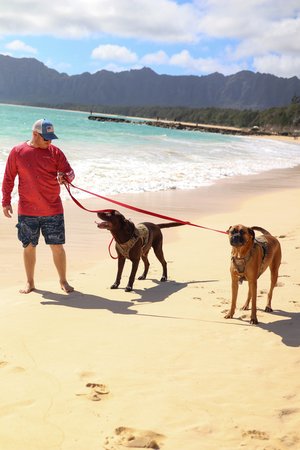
(124, 205)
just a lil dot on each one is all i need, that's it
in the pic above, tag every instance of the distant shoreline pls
(189, 126)
(180, 125)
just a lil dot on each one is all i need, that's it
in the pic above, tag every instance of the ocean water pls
(110, 158)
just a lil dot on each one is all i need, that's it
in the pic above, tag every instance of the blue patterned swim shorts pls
(30, 228)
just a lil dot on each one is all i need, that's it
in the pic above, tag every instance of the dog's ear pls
(251, 232)
(120, 216)
(229, 229)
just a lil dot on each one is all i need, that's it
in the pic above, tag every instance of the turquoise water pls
(111, 158)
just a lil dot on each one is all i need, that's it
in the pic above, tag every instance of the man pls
(41, 168)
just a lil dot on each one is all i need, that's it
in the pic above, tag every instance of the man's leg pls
(60, 261)
(29, 256)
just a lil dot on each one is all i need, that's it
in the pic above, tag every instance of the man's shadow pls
(78, 299)
(82, 300)
(287, 329)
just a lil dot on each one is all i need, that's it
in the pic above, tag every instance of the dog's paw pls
(128, 288)
(142, 277)
(268, 309)
(114, 286)
(163, 279)
(253, 321)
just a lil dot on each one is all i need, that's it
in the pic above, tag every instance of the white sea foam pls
(112, 158)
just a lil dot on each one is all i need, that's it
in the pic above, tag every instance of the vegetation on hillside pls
(284, 120)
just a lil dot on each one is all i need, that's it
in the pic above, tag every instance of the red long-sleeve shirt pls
(37, 169)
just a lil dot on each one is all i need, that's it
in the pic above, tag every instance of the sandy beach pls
(158, 367)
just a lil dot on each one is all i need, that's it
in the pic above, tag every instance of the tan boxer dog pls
(250, 257)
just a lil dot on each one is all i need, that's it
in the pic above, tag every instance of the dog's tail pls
(262, 230)
(170, 224)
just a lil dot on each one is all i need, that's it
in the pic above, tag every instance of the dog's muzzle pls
(236, 240)
(104, 225)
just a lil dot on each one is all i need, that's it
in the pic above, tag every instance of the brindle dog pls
(250, 257)
(134, 242)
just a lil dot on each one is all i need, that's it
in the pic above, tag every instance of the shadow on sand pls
(76, 299)
(288, 328)
(161, 291)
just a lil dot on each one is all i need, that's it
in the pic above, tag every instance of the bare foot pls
(66, 287)
(29, 287)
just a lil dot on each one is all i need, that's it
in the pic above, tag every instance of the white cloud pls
(158, 20)
(59, 66)
(233, 34)
(110, 52)
(258, 30)
(280, 38)
(20, 46)
(156, 58)
(112, 67)
(239, 20)
(203, 65)
(115, 54)
(283, 66)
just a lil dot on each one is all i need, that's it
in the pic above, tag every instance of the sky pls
(183, 37)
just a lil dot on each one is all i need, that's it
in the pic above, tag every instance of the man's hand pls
(7, 211)
(61, 178)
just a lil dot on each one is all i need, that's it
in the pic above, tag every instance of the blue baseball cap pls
(45, 128)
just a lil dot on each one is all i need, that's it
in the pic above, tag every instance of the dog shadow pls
(287, 328)
(162, 290)
(78, 299)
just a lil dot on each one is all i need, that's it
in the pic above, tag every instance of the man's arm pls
(65, 172)
(8, 183)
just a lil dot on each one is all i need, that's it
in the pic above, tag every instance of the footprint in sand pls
(288, 411)
(3, 364)
(290, 441)
(87, 375)
(256, 434)
(13, 369)
(12, 408)
(130, 437)
(242, 317)
(97, 390)
(222, 301)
